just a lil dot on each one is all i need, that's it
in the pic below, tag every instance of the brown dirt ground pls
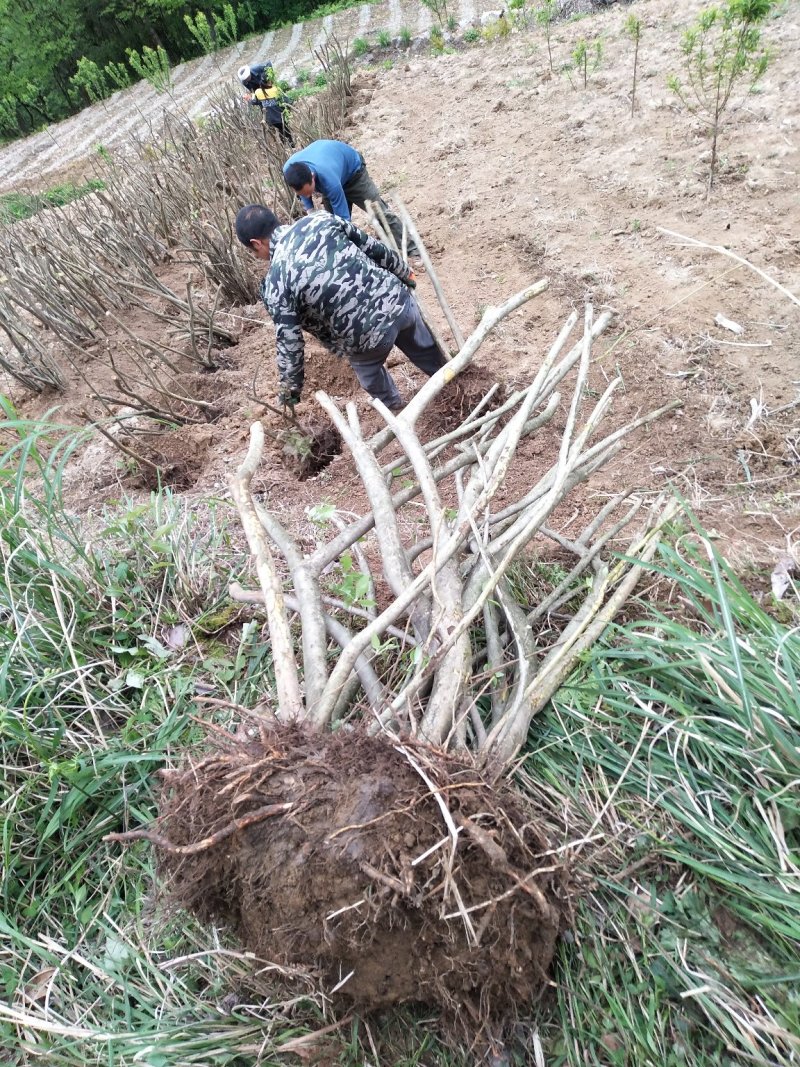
(513, 175)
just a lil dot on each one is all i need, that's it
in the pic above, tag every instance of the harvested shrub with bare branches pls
(358, 825)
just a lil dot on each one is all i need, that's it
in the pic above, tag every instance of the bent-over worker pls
(346, 289)
(339, 174)
(265, 93)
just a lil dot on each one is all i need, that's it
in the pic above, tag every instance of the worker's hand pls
(411, 280)
(288, 398)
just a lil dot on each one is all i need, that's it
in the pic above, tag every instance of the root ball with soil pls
(339, 856)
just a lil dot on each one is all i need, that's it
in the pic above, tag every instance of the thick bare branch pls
(287, 682)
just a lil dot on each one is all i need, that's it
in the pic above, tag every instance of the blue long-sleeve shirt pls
(333, 164)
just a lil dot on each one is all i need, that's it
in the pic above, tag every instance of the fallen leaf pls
(728, 324)
(781, 578)
(36, 989)
(177, 636)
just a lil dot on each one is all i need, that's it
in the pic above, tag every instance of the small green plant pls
(439, 9)
(471, 35)
(152, 65)
(200, 29)
(360, 47)
(497, 29)
(387, 64)
(437, 40)
(452, 23)
(585, 59)
(355, 587)
(405, 37)
(636, 226)
(520, 12)
(384, 38)
(320, 80)
(633, 28)
(302, 77)
(118, 75)
(545, 16)
(91, 79)
(722, 49)
(226, 29)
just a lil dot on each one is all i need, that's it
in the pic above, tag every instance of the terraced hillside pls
(136, 111)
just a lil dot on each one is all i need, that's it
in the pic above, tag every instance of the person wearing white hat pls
(264, 92)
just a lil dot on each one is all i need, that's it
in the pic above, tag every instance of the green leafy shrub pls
(90, 78)
(200, 30)
(302, 77)
(497, 30)
(722, 49)
(360, 47)
(437, 40)
(226, 29)
(152, 65)
(471, 35)
(118, 75)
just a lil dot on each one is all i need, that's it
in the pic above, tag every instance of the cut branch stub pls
(481, 664)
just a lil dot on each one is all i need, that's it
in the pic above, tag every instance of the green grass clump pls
(384, 38)
(360, 47)
(405, 37)
(673, 753)
(17, 206)
(100, 659)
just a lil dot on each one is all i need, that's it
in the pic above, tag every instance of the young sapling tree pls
(581, 56)
(545, 16)
(633, 28)
(721, 50)
(439, 9)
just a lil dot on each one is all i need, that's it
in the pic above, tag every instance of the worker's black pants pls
(414, 339)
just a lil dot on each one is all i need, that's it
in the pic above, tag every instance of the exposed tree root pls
(399, 872)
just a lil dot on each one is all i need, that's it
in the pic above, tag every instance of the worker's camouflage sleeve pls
(338, 283)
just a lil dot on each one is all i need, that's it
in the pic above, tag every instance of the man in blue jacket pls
(339, 174)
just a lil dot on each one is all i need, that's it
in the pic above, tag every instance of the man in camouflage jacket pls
(347, 289)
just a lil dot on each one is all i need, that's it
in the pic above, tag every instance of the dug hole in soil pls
(330, 852)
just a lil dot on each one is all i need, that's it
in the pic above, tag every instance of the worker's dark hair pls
(255, 221)
(297, 175)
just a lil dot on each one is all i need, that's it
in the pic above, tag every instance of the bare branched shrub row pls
(71, 273)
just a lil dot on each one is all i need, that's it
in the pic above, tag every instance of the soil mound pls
(333, 852)
(460, 399)
(309, 446)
